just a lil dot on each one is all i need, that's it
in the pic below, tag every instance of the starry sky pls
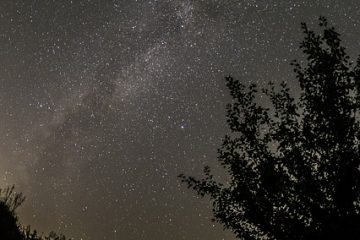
(104, 102)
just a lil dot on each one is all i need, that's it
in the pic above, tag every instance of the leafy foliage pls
(294, 168)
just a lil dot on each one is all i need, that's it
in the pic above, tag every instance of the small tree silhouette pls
(294, 169)
(10, 228)
(10, 198)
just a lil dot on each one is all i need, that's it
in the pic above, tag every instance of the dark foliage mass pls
(10, 228)
(294, 168)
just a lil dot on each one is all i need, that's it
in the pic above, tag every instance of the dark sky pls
(103, 103)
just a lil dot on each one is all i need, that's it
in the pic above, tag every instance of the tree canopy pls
(294, 167)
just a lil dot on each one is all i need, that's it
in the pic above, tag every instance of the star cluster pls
(104, 102)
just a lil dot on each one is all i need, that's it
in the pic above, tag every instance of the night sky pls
(103, 103)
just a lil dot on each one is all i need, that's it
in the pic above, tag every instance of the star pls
(104, 103)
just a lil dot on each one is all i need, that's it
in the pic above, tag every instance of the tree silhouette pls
(294, 168)
(10, 228)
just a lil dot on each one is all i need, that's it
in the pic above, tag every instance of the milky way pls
(103, 103)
